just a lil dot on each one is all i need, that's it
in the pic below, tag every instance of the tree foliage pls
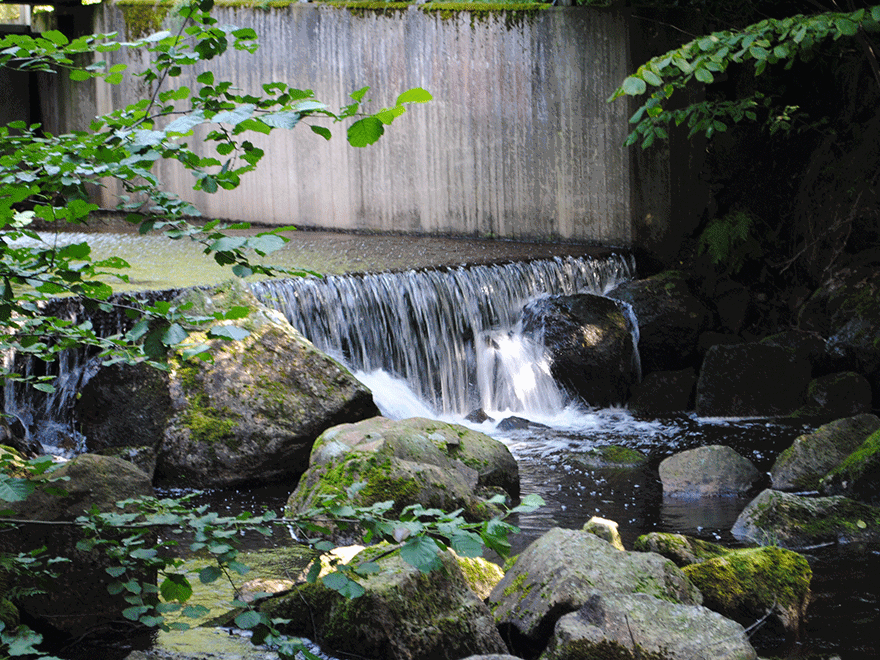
(785, 105)
(45, 180)
(766, 43)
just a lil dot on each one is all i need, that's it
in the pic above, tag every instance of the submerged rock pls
(751, 380)
(797, 522)
(409, 461)
(609, 456)
(813, 455)
(562, 570)
(711, 471)
(404, 614)
(747, 584)
(638, 626)
(590, 342)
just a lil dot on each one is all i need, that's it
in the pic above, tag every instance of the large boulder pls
(747, 584)
(590, 342)
(751, 380)
(813, 455)
(124, 406)
(252, 414)
(77, 599)
(636, 626)
(664, 392)
(670, 319)
(409, 461)
(712, 471)
(846, 310)
(797, 522)
(562, 570)
(836, 395)
(404, 614)
(803, 345)
(858, 475)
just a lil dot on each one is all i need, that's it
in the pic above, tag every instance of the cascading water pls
(450, 334)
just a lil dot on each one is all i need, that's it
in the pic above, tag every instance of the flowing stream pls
(445, 342)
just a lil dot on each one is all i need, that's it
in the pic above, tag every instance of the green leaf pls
(421, 553)
(704, 76)
(174, 335)
(414, 95)
(323, 132)
(236, 116)
(175, 587)
(228, 243)
(134, 613)
(652, 78)
(365, 132)
(15, 490)
(286, 119)
(232, 332)
(186, 123)
(467, 545)
(633, 86)
(210, 574)
(846, 27)
(248, 620)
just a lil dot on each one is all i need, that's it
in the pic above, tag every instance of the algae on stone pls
(746, 584)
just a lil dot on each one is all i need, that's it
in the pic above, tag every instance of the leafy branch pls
(705, 59)
(46, 180)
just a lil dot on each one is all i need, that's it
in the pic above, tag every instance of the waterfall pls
(451, 334)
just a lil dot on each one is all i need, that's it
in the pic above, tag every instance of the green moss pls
(9, 614)
(515, 14)
(206, 424)
(143, 18)
(752, 580)
(863, 458)
(519, 586)
(845, 516)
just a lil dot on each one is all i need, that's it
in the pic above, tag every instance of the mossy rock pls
(612, 626)
(683, 550)
(77, 598)
(562, 570)
(746, 584)
(413, 461)
(796, 522)
(403, 613)
(858, 475)
(610, 456)
(834, 396)
(606, 530)
(812, 455)
(252, 414)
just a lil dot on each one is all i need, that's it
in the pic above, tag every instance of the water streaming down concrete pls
(519, 140)
(443, 330)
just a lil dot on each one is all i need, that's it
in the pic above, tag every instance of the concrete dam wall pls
(519, 141)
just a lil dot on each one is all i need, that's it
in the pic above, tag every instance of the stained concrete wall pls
(518, 142)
